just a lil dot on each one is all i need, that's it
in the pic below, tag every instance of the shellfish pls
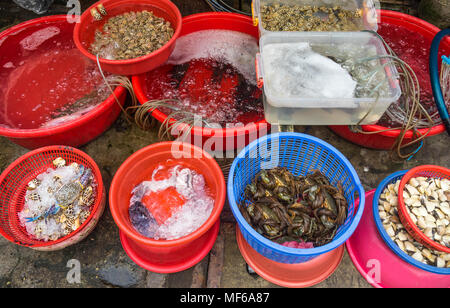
(287, 208)
(399, 234)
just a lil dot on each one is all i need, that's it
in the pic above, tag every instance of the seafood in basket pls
(387, 208)
(131, 35)
(427, 203)
(58, 201)
(286, 208)
(285, 17)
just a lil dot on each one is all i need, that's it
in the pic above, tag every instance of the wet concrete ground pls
(104, 262)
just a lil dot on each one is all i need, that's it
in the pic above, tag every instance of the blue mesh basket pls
(393, 178)
(302, 155)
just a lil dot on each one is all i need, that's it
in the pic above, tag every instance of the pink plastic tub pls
(379, 265)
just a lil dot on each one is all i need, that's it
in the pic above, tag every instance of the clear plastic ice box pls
(296, 110)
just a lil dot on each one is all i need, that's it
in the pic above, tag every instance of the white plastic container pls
(286, 109)
(368, 9)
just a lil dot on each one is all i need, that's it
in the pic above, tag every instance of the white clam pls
(430, 206)
(418, 256)
(410, 247)
(390, 231)
(414, 182)
(440, 262)
(412, 190)
(400, 244)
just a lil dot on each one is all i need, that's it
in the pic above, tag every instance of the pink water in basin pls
(47, 95)
(41, 71)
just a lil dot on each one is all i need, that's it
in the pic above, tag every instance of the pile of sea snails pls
(284, 17)
(58, 201)
(387, 208)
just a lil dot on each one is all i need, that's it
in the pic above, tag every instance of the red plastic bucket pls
(301, 275)
(386, 140)
(13, 186)
(74, 133)
(166, 256)
(85, 32)
(214, 139)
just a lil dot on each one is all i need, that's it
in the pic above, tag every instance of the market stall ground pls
(103, 261)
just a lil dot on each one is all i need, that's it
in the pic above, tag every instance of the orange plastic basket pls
(428, 171)
(13, 186)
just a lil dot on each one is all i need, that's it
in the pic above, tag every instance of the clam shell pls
(440, 262)
(400, 244)
(446, 240)
(428, 232)
(402, 236)
(387, 206)
(59, 162)
(390, 231)
(414, 182)
(34, 184)
(421, 222)
(430, 206)
(418, 256)
(412, 190)
(445, 185)
(444, 207)
(410, 247)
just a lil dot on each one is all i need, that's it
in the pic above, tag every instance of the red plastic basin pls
(213, 139)
(166, 256)
(85, 31)
(22, 64)
(385, 140)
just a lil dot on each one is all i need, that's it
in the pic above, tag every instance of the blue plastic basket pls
(301, 154)
(393, 178)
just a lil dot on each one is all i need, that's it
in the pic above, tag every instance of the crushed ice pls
(294, 69)
(186, 219)
(48, 228)
(233, 47)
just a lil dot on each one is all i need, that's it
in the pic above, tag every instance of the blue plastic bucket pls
(301, 154)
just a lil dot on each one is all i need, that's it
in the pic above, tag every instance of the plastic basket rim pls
(405, 257)
(96, 205)
(418, 235)
(296, 252)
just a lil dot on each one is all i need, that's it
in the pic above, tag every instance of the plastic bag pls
(37, 6)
